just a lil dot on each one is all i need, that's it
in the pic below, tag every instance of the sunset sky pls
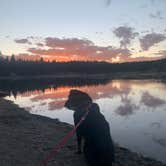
(65, 30)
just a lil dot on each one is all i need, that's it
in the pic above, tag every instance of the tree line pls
(13, 67)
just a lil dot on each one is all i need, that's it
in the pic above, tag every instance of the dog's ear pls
(74, 92)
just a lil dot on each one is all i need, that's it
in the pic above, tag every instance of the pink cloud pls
(79, 49)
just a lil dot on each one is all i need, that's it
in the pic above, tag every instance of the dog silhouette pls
(98, 146)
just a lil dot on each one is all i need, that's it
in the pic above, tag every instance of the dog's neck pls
(85, 108)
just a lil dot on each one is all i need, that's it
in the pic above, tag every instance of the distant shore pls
(25, 139)
(118, 75)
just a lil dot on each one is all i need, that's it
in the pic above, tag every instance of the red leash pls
(63, 141)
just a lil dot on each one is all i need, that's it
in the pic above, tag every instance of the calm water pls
(135, 109)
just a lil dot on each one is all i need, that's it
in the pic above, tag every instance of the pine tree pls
(12, 60)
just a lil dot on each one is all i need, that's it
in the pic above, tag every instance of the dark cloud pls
(145, 31)
(142, 58)
(108, 2)
(151, 101)
(126, 34)
(152, 2)
(162, 53)
(67, 42)
(99, 33)
(40, 44)
(22, 41)
(30, 37)
(150, 40)
(156, 15)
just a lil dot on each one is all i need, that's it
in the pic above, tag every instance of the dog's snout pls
(66, 104)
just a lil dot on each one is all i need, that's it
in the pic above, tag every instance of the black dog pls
(98, 146)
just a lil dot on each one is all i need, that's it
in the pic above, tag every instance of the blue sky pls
(94, 20)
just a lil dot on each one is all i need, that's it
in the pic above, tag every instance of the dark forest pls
(15, 67)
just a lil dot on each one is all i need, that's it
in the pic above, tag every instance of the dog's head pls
(77, 99)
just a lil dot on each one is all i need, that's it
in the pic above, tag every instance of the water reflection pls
(136, 109)
(160, 141)
(16, 87)
(151, 101)
(127, 108)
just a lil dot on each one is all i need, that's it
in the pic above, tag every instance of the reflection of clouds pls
(160, 141)
(28, 108)
(151, 101)
(124, 110)
(127, 108)
(52, 93)
(43, 103)
(156, 124)
(58, 96)
(55, 98)
(116, 84)
(120, 89)
(56, 105)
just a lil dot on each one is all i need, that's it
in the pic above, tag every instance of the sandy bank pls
(25, 139)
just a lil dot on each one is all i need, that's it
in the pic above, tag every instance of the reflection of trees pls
(15, 87)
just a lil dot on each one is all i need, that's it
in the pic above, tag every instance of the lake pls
(135, 109)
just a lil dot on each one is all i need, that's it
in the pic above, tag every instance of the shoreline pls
(26, 139)
(118, 75)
